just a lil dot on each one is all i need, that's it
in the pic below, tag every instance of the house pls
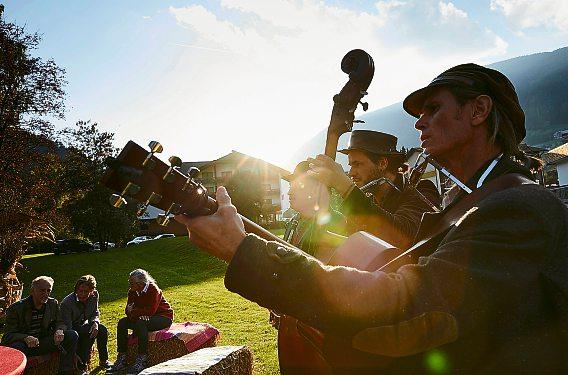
(220, 171)
(558, 157)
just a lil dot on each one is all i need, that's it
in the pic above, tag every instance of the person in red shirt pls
(146, 310)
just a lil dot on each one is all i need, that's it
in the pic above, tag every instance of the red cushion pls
(13, 361)
(193, 334)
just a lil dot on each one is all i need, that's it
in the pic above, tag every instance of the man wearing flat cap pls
(393, 211)
(315, 217)
(485, 289)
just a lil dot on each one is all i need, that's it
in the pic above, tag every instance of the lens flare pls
(437, 362)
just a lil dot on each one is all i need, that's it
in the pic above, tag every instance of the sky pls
(258, 76)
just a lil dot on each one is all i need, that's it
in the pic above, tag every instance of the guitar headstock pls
(139, 174)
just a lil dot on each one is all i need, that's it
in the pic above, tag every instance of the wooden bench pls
(220, 360)
(176, 341)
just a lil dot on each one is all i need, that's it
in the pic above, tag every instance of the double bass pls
(298, 353)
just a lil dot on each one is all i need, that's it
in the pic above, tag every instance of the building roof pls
(239, 157)
(188, 164)
(557, 155)
(532, 150)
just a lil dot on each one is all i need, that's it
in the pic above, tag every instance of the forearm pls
(329, 298)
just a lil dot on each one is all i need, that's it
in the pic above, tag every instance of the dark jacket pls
(74, 313)
(396, 218)
(19, 317)
(490, 297)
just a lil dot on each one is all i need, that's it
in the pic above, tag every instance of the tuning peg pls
(118, 200)
(152, 199)
(164, 219)
(364, 105)
(175, 162)
(193, 172)
(155, 148)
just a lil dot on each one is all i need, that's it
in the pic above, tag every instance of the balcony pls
(561, 192)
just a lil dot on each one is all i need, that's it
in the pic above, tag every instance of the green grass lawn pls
(192, 282)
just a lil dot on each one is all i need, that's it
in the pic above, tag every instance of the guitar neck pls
(252, 227)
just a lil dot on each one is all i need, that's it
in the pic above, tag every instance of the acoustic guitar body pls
(305, 350)
(296, 353)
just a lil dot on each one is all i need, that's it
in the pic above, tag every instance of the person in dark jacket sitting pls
(146, 310)
(32, 326)
(80, 311)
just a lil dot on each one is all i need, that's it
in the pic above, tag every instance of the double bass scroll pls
(361, 69)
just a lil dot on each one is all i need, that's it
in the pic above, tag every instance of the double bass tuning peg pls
(365, 105)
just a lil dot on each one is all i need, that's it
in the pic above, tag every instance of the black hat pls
(372, 141)
(482, 79)
(300, 169)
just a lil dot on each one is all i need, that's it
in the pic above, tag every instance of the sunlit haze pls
(258, 76)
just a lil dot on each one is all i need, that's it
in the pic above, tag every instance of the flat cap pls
(300, 170)
(485, 80)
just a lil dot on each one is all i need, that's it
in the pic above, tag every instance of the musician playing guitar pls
(488, 288)
(309, 230)
(392, 211)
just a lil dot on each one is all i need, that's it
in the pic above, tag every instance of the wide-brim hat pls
(372, 141)
(484, 80)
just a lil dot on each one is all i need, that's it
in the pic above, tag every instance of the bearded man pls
(390, 209)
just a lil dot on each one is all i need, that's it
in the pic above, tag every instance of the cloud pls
(262, 74)
(524, 14)
(449, 12)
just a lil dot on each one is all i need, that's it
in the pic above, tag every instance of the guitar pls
(137, 173)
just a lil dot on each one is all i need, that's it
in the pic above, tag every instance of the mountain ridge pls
(541, 82)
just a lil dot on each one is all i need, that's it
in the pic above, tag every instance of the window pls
(268, 201)
(226, 175)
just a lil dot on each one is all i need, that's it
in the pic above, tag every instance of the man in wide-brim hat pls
(372, 155)
(388, 209)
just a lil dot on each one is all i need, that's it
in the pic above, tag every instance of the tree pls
(245, 189)
(88, 207)
(31, 92)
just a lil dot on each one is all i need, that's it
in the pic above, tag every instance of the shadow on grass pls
(172, 262)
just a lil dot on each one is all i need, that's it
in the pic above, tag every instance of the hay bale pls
(220, 360)
(47, 364)
(160, 350)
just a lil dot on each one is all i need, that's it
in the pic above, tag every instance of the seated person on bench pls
(146, 310)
